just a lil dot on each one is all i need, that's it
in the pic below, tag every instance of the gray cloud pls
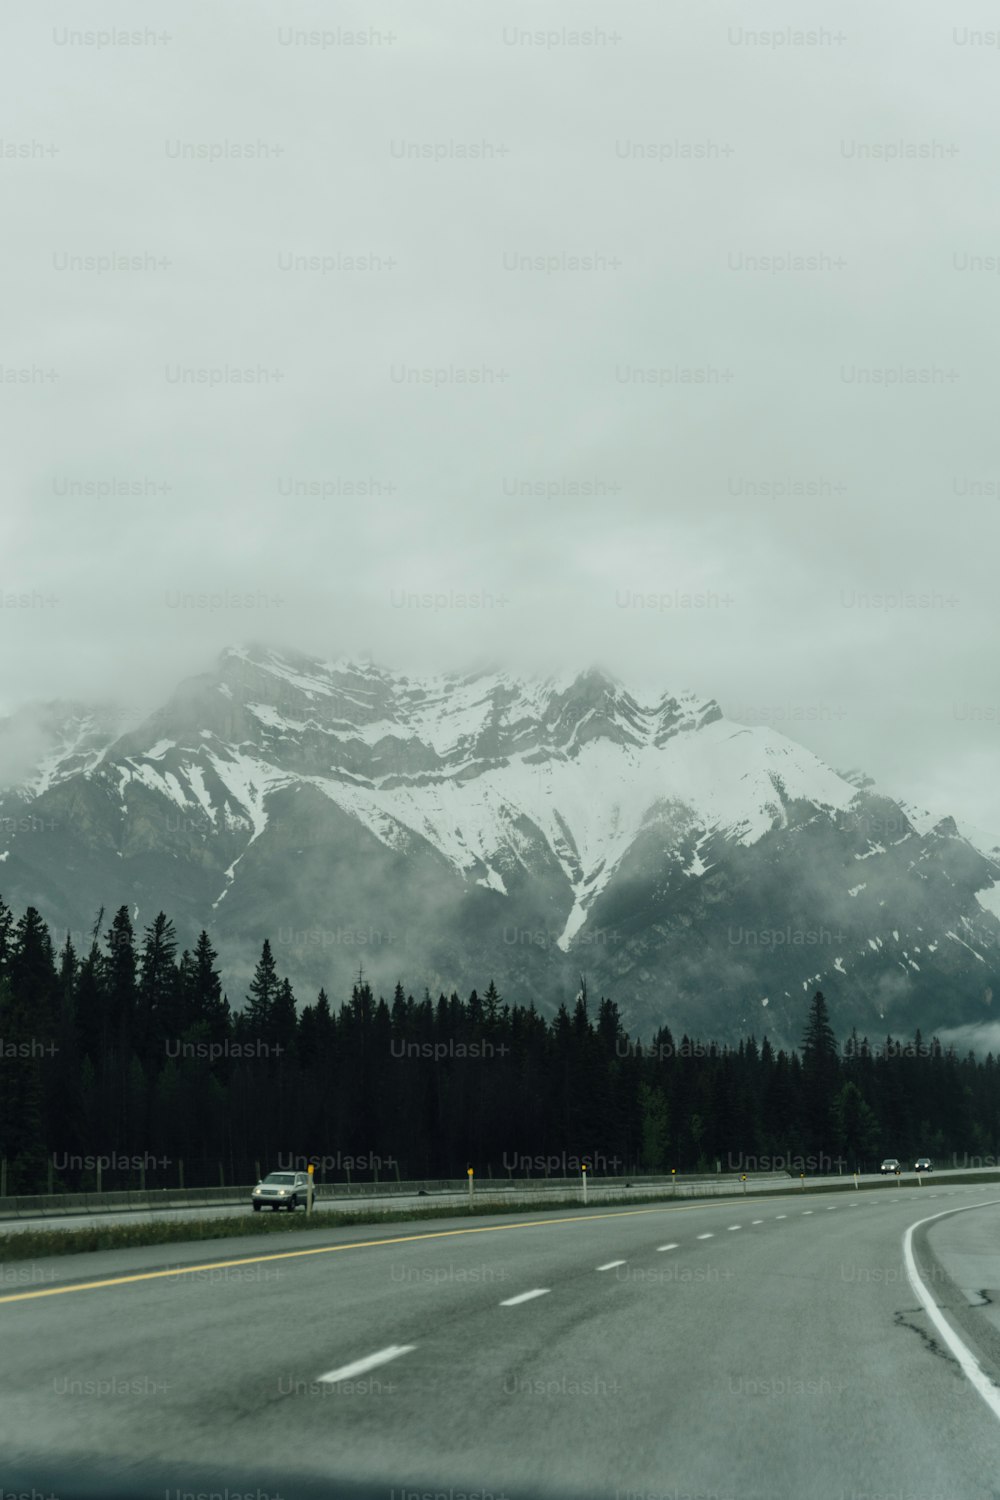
(683, 453)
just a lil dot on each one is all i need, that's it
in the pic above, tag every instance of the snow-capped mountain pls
(447, 830)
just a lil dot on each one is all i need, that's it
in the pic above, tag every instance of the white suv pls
(282, 1190)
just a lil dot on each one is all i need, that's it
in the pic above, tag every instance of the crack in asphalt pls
(931, 1344)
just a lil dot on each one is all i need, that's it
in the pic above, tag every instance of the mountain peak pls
(489, 822)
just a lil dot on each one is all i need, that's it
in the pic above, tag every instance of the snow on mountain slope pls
(483, 824)
(43, 744)
(591, 808)
(462, 762)
(989, 899)
(476, 765)
(465, 762)
(987, 844)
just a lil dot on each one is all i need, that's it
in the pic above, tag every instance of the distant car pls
(281, 1190)
(922, 1164)
(890, 1165)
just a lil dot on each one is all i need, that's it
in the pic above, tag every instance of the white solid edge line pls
(541, 1291)
(370, 1362)
(970, 1366)
(610, 1265)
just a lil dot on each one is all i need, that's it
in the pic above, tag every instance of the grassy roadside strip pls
(35, 1243)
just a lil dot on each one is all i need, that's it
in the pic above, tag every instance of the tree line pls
(126, 1066)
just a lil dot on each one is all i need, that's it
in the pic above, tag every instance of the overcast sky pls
(648, 157)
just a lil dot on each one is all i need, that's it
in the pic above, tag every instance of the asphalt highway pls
(754, 1349)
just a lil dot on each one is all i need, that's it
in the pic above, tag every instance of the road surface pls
(753, 1349)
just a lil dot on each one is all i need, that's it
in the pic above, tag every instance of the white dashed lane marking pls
(541, 1291)
(369, 1362)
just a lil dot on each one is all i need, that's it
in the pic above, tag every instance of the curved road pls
(757, 1348)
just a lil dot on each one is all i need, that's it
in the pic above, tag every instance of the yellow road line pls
(404, 1239)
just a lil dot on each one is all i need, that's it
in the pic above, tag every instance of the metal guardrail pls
(59, 1205)
(62, 1205)
(331, 1196)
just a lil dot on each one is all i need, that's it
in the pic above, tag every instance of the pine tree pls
(609, 1027)
(258, 1014)
(64, 1100)
(820, 1076)
(92, 1008)
(324, 1021)
(285, 1019)
(120, 979)
(856, 1126)
(6, 933)
(32, 972)
(67, 967)
(819, 1043)
(22, 1131)
(781, 1107)
(160, 1007)
(491, 1006)
(206, 1006)
(655, 1128)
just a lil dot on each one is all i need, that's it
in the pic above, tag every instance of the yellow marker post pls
(312, 1189)
(471, 1174)
(802, 1179)
(743, 1179)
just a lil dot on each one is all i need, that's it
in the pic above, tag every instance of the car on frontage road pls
(922, 1164)
(890, 1165)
